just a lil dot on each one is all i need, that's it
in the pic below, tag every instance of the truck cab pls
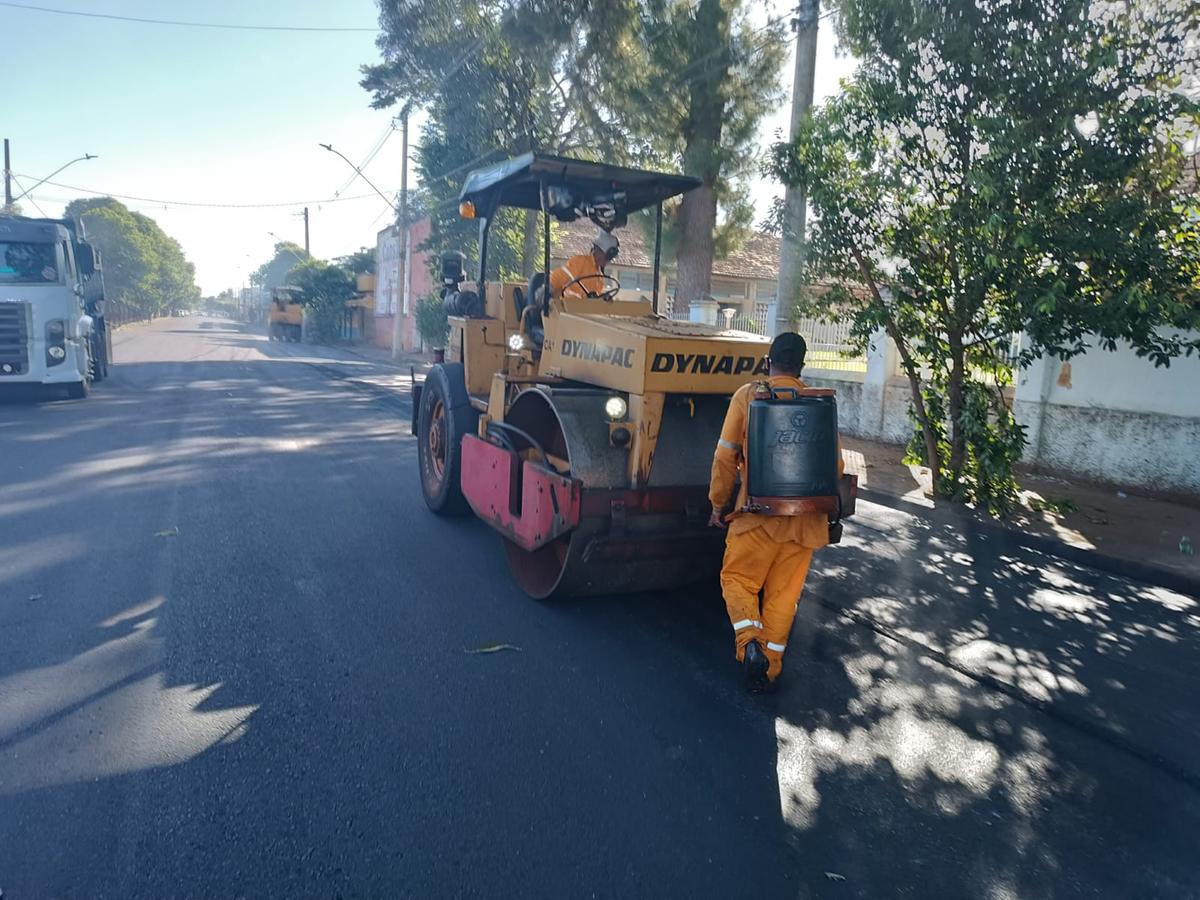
(52, 328)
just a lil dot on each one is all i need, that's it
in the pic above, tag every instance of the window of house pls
(732, 290)
(643, 281)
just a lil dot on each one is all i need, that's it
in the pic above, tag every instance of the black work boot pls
(754, 667)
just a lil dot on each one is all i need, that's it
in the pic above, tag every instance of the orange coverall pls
(579, 266)
(770, 554)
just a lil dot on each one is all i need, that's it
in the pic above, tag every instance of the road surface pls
(234, 661)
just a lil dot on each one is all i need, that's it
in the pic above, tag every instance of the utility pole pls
(306, 250)
(8, 201)
(791, 255)
(397, 326)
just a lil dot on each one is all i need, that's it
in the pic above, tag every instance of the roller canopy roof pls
(516, 182)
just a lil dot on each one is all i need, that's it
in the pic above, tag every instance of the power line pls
(383, 138)
(26, 195)
(182, 24)
(159, 202)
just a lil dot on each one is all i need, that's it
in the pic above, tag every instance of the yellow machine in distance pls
(580, 428)
(285, 316)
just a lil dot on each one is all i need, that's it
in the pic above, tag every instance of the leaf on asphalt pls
(173, 531)
(834, 876)
(494, 648)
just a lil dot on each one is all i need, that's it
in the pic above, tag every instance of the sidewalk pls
(419, 363)
(1119, 531)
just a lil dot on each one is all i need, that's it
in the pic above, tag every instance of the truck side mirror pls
(87, 258)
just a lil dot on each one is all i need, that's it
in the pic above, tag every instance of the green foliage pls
(666, 83)
(325, 289)
(277, 271)
(691, 84)
(361, 262)
(999, 168)
(496, 80)
(1060, 507)
(432, 323)
(225, 303)
(143, 266)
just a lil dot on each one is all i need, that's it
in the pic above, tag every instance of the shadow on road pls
(247, 654)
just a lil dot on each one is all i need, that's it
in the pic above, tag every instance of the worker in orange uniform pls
(589, 267)
(770, 554)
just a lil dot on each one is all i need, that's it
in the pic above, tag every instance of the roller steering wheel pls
(609, 293)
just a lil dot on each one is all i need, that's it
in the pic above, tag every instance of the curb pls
(1114, 565)
(374, 359)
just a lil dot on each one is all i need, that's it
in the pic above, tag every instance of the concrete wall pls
(392, 297)
(1103, 416)
(1112, 416)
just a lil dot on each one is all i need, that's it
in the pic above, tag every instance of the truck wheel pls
(79, 390)
(99, 358)
(446, 415)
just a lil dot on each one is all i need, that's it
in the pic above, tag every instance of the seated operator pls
(588, 267)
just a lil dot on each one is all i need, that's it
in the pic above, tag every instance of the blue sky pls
(218, 116)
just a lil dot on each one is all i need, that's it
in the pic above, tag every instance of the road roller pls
(580, 427)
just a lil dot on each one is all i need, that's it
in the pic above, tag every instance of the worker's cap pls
(788, 351)
(606, 244)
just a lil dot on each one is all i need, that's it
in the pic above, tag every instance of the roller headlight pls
(516, 343)
(56, 352)
(616, 408)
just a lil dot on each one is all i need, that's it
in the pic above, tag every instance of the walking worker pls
(767, 554)
(587, 267)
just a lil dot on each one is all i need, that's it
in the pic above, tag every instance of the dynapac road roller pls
(580, 428)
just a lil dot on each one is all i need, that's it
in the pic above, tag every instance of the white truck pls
(52, 326)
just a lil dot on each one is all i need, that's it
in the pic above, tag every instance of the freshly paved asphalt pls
(232, 662)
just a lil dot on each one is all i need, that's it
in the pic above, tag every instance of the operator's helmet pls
(607, 244)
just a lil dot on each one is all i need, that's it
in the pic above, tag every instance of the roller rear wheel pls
(446, 415)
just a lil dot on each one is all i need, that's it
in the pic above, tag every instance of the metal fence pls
(118, 312)
(762, 316)
(829, 346)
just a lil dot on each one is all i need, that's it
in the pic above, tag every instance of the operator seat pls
(537, 285)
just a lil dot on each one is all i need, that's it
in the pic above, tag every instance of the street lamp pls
(299, 258)
(402, 221)
(55, 172)
(329, 147)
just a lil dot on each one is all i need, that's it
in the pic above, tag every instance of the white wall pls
(1104, 416)
(1117, 380)
(387, 272)
(1112, 416)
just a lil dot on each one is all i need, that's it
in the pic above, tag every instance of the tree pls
(1007, 167)
(519, 81)
(143, 266)
(277, 271)
(325, 288)
(361, 262)
(691, 86)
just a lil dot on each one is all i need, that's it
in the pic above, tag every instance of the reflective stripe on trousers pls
(755, 562)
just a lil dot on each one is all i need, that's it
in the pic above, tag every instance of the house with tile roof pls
(746, 281)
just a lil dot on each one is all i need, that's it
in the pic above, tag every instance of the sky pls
(219, 116)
